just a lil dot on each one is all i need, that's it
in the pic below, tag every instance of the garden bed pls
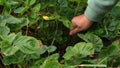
(35, 34)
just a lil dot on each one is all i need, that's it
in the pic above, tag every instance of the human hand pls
(80, 23)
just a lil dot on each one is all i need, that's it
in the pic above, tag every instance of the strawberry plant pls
(35, 34)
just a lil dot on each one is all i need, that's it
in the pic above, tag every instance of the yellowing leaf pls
(45, 17)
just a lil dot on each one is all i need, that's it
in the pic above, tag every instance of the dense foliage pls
(35, 34)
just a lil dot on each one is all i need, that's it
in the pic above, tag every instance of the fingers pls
(75, 27)
(80, 23)
(75, 30)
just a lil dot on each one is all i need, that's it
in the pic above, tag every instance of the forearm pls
(96, 9)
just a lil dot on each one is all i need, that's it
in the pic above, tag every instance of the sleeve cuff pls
(93, 15)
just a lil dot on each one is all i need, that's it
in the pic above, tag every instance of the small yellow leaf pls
(45, 17)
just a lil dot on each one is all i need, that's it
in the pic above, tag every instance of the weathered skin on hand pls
(80, 23)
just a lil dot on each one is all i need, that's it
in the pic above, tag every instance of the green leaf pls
(39, 62)
(34, 13)
(51, 64)
(115, 12)
(10, 37)
(65, 22)
(7, 49)
(44, 60)
(8, 19)
(30, 2)
(110, 54)
(51, 49)
(80, 49)
(18, 25)
(53, 56)
(43, 50)
(91, 38)
(7, 46)
(69, 53)
(63, 3)
(37, 54)
(32, 16)
(25, 44)
(83, 48)
(2, 21)
(11, 20)
(4, 31)
(1, 2)
(36, 8)
(13, 59)
(19, 10)
(13, 3)
(75, 0)
(114, 48)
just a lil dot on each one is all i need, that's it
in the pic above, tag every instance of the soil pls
(1, 9)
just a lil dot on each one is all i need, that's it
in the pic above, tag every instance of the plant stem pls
(27, 62)
(77, 8)
(19, 66)
(55, 33)
(103, 59)
(27, 28)
(90, 65)
(105, 27)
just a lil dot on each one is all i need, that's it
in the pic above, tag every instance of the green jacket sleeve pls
(96, 9)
